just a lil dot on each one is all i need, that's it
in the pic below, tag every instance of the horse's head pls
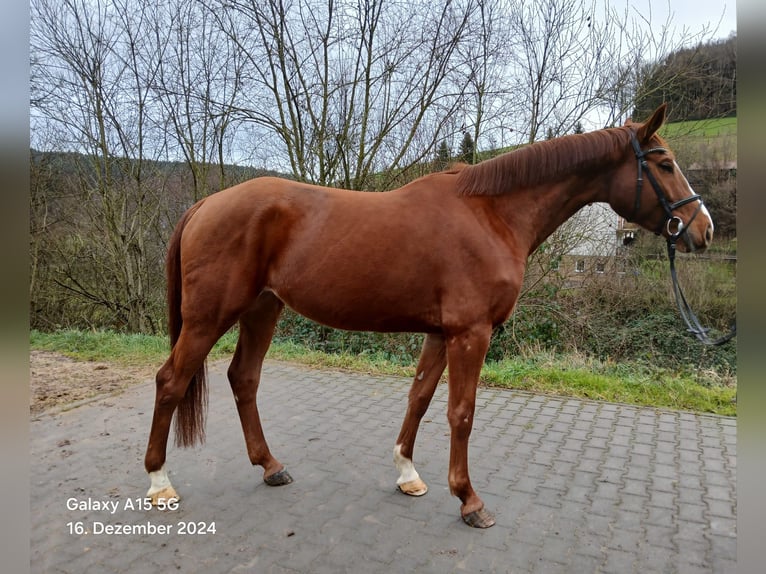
(654, 193)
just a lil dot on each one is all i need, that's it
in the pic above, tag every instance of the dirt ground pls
(56, 381)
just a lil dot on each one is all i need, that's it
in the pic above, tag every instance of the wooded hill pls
(697, 83)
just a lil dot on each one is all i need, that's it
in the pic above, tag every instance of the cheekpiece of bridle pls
(675, 228)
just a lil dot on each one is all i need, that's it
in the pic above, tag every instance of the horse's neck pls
(535, 213)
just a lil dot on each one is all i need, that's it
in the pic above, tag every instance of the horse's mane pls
(541, 162)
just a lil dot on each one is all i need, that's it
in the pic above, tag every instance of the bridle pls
(674, 224)
(675, 228)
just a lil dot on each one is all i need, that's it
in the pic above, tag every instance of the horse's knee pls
(461, 420)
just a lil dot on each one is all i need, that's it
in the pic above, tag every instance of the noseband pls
(675, 228)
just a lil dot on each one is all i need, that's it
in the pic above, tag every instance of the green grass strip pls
(538, 372)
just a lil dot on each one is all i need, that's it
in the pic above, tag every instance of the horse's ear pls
(650, 126)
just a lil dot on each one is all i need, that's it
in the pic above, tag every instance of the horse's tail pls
(190, 413)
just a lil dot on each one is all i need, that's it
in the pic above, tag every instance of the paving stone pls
(576, 486)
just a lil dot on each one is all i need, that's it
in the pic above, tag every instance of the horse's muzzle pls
(694, 241)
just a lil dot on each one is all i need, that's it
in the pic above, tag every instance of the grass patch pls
(537, 371)
(120, 348)
(371, 363)
(708, 128)
(631, 383)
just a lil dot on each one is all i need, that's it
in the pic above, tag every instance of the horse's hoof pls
(278, 478)
(413, 488)
(481, 518)
(165, 495)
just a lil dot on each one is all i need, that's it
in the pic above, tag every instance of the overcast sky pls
(694, 15)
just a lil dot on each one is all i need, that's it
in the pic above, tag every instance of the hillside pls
(697, 83)
(707, 128)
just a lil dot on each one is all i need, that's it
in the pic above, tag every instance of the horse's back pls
(323, 214)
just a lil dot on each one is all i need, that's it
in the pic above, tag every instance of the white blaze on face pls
(407, 472)
(703, 209)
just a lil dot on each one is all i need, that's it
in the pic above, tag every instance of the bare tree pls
(558, 52)
(584, 62)
(349, 90)
(638, 46)
(483, 57)
(197, 85)
(93, 89)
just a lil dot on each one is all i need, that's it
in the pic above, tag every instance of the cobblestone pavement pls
(576, 486)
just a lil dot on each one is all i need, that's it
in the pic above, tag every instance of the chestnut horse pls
(444, 255)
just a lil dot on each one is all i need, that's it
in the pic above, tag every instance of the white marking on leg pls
(409, 481)
(160, 480)
(407, 472)
(161, 487)
(421, 374)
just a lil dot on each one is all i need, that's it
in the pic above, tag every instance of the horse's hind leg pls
(256, 329)
(433, 360)
(185, 362)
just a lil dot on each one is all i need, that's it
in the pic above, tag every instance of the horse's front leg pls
(465, 355)
(433, 360)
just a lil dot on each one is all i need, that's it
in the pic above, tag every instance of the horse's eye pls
(668, 167)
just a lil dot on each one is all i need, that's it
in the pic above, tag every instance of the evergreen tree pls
(467, 149)
(443, 156)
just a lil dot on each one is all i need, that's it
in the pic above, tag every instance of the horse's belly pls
(352, 312)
